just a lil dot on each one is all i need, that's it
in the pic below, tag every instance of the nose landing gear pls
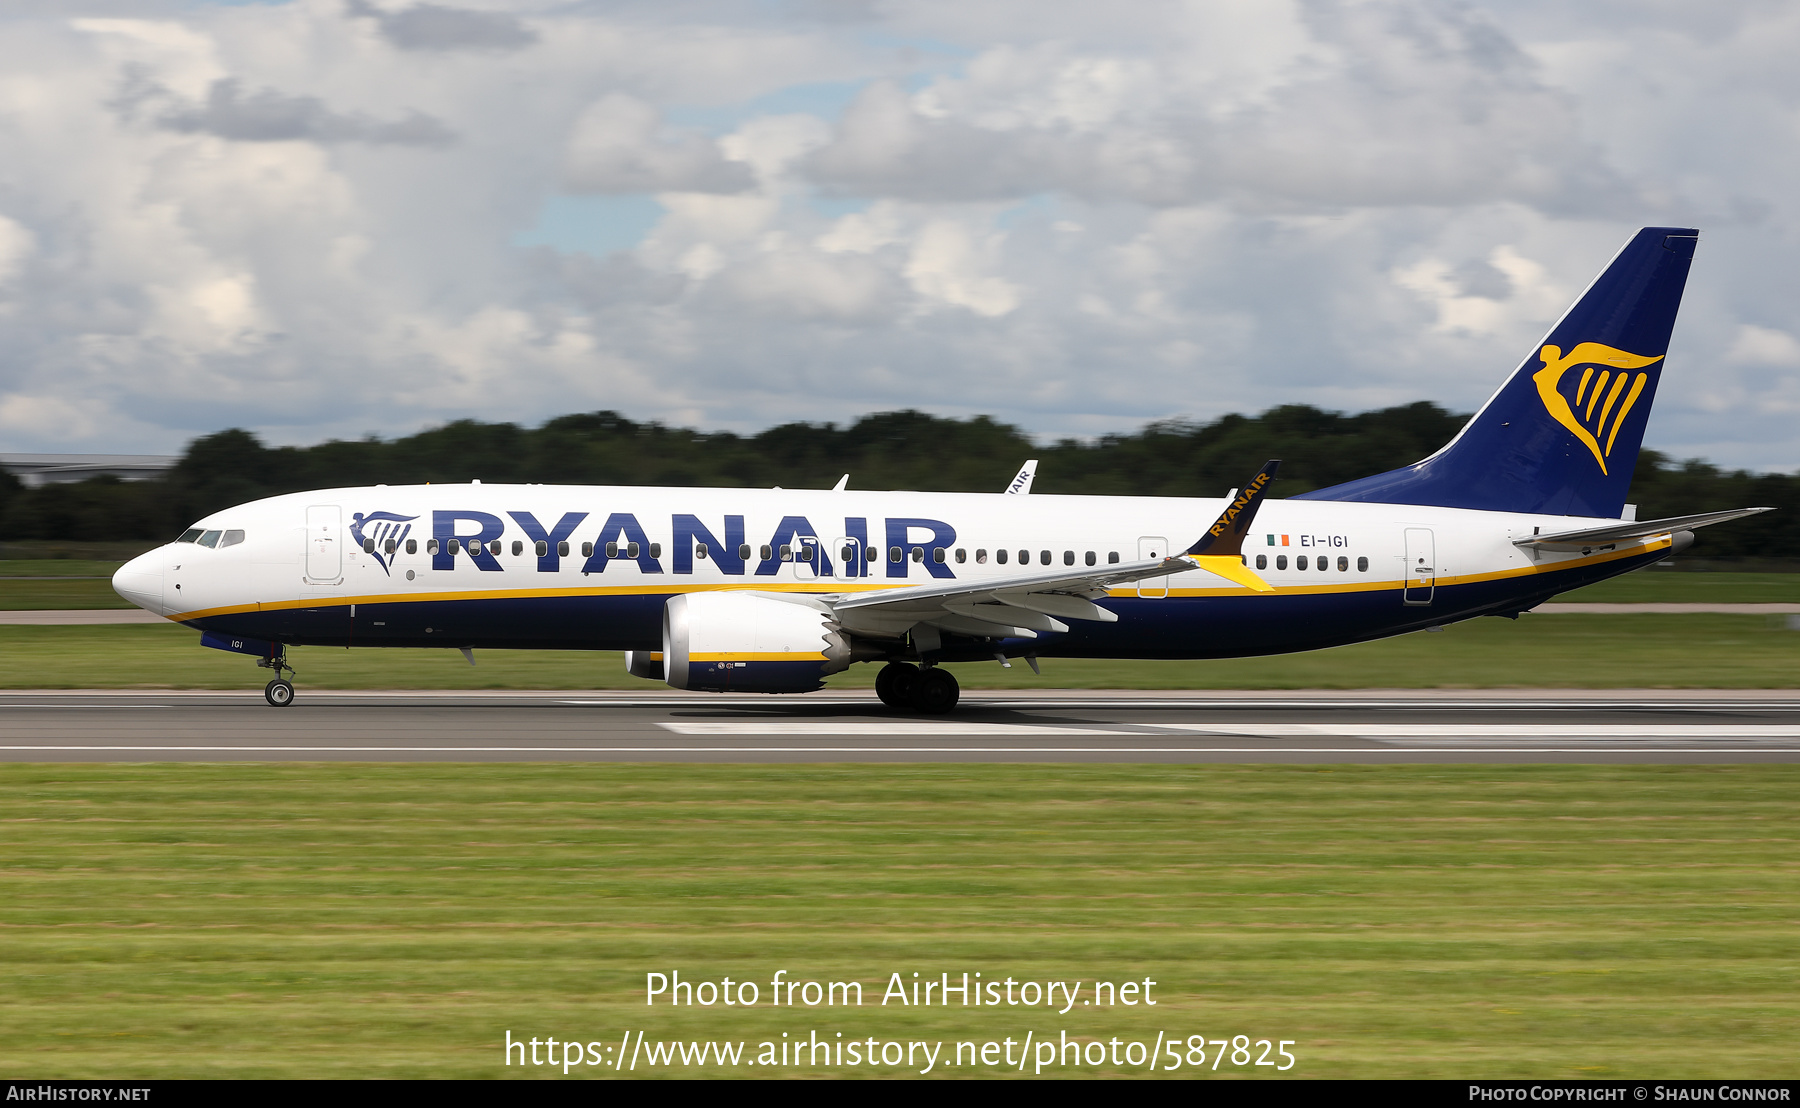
(280, 691)
(904, 686)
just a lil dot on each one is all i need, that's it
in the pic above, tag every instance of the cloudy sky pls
(335, 217)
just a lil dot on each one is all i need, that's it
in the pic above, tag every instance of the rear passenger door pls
(324, 544)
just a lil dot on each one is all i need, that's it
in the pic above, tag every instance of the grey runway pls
(1169, 727)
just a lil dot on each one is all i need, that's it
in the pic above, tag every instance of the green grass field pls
(396, 921)
(1656, 586)
(1626, 651)
(57, 567)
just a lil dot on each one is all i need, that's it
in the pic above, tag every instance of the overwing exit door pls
(849, 556)
(1421, 567)
(1153, 546)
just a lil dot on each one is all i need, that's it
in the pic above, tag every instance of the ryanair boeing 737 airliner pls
(771, 590)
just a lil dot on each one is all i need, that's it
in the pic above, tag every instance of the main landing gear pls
(279, 692)
(905, 686)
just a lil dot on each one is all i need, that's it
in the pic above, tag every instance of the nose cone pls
(141, 581)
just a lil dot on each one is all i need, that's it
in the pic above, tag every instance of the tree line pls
(887, 450)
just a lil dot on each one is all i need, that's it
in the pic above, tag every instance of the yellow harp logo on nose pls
(1597, 411)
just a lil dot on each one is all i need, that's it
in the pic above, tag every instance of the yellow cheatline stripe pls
(1391, 585)
(839, 587)
(757, 656)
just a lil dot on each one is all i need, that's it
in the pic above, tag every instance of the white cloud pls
(303, 217)
(951, 265)
(1764, 346)
(620, 145)
(16, 245)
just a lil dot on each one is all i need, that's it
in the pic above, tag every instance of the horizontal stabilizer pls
(1589, 537)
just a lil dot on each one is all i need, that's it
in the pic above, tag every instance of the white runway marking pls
(800, 727)
(1539, 731)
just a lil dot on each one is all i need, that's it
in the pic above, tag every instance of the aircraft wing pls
(1589, 537)
(1024, 604)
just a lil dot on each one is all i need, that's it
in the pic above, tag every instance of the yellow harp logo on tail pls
(1602, 397)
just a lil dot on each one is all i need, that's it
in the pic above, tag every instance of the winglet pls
(1226, 536)
(1220, 550)
(1021, 484)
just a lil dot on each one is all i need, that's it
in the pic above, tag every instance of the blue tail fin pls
(1562, 435)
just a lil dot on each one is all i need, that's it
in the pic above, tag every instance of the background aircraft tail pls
(1562, 434)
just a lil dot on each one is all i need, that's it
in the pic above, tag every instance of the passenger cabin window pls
(231, 538)
(700, 551)
(1300, 562)
(542, 549)
(210, 539)
(562, 549)
(1343, 565)
(1324, 563)
(656, 550)
(743, 551)
(1262, 561)
(1044, 557)
(192, 534)
(1112, 558)
(1024, 557)
(766, 552)
(368, 546)
(412, 546)
(612, 550)
(1281, 561)
(937, 554)
(787, 553)
(431, 546)
(455, 546)
(386, 547)
(587, 550)
(961, 555)
(518, 548)
(1000, 556)
(847, 554)
(1068, 557)
(494, 547)
(980, 556)
(1362, 565)
(895, 554)
(1091, 558)
(918, 554)
(631, 550)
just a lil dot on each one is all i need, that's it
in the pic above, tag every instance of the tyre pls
(887, 681)
(937, 692)
(279, 693)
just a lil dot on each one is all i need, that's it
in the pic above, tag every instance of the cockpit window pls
(189, 535)
(210, 538)
(231, 538)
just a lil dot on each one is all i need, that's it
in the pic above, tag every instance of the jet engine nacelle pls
(749, 642)
(645, 664)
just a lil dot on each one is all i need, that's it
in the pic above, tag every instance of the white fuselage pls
(304, 570)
